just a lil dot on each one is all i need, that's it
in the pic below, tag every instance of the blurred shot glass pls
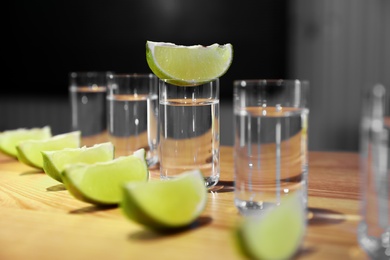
(132, 111)
(374, 229)
(87, 91)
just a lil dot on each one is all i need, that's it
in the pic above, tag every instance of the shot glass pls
(189, 130)
(132, 113)
(87, 91)
(270, 145)
(374, 229)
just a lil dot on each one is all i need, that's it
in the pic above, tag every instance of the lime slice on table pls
(11, 138)
(188, 65)
(166, 204)
(101, 183)
(30, 151)
(54, 161)
(277, 234)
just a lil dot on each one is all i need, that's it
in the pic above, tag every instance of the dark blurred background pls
(50, 38)
(341, 47)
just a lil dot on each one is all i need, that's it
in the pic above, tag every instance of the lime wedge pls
(30, 151)
(101, 183)
(54, 161)
(11, 138)
(188, 65)
(166, 205)
(277, 234)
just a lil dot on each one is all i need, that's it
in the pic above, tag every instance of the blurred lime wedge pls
(166, 204)
(11, 138)
(30, 151)
(188, 65)
(101, 183)
(54, 161)
(277, 234)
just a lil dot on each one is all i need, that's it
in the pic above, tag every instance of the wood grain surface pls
(39, 219)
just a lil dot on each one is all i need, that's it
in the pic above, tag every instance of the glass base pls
(377, 248)
(152, 161)
(249, 208)
(211, 181)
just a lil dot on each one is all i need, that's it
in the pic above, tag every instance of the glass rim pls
(271, 81)
(92, 73)
(190, 83)
(132, 75)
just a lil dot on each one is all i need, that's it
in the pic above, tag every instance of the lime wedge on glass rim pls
(101, 183)
(165, 205)
(277, 233)
(54, 162)
(188, 65)
(11, 138)
(30, 151)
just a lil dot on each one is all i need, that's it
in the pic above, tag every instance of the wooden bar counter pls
(39, 219)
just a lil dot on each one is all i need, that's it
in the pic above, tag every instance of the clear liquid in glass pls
(373, 231)
(132, 124)
(189, 138)
(88, 107)
(270, 156)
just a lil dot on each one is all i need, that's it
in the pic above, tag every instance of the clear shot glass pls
(373, 231)
(189, 130)
(270, 145)
(132, 114)
(87, 92)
